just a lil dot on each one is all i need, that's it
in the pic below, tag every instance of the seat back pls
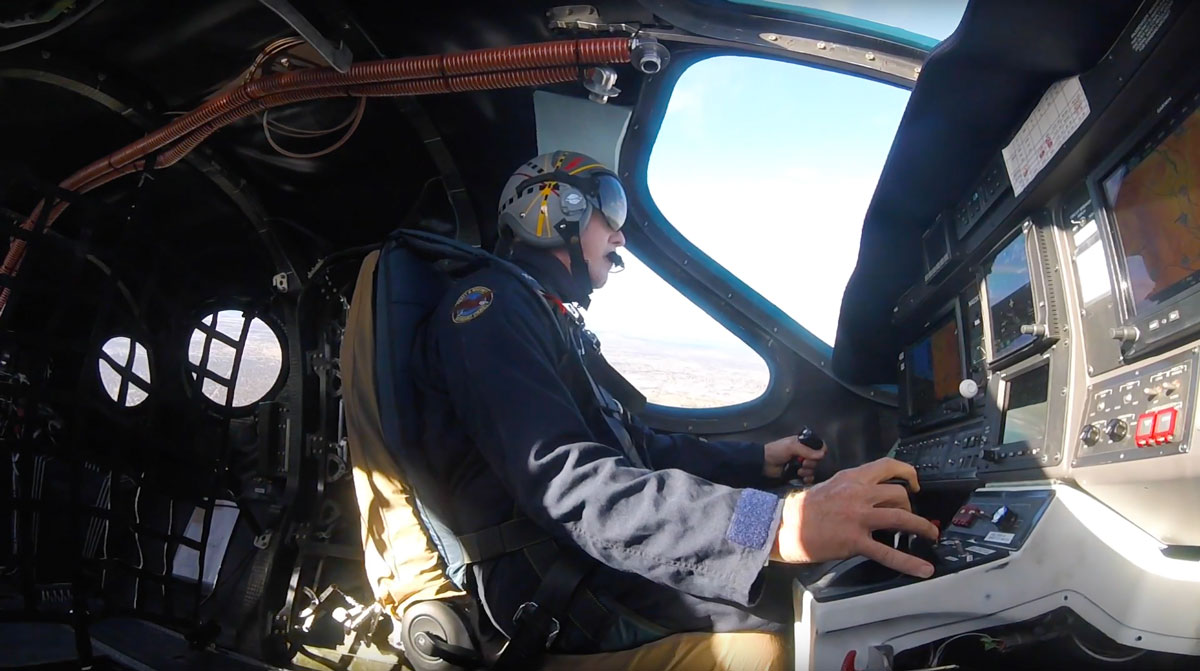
(401, 563)
(414, 272)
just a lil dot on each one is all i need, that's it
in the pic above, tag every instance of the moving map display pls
(1155, 201)
(1010, 298)
(935, 368)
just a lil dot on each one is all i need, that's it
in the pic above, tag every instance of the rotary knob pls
(1116, 429)
(1090, 435)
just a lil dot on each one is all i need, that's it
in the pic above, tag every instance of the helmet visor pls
(612, 202)
(603, 190)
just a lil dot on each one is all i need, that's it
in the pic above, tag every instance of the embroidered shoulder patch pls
(471, 304)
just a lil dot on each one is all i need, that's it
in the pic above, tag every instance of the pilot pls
(524, 421)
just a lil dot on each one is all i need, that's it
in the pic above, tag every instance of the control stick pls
(806, 437)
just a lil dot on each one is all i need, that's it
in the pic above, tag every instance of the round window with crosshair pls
(124, 366)
(236, 361)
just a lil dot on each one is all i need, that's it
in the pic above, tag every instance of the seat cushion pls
(695, 651)
(401, 563)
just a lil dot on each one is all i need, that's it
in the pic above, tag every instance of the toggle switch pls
(965, 517)
(1005, 518)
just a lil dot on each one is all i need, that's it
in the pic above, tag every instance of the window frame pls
(763, 326)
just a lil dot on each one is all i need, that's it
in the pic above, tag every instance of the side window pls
(224, 338)
(768, 168)
(124, 366)
(671, 350)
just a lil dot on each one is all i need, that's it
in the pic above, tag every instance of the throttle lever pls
(806, 437)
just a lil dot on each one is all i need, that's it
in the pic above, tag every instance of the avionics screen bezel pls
(1010, 381)
(1029, 458)
(1044, 292)
(1178, 317)
(943, 410)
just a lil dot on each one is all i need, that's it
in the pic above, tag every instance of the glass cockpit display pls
(1010, 298)
(1026, 411)
(934, 368)
(1155, 202)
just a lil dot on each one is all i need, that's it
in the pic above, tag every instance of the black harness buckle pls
(530, 609)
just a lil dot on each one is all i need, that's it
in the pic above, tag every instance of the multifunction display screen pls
(1026, 411)
(934, 367)
(1154, 199)
(1010, 298)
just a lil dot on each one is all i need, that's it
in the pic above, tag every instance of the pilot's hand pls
(777, 453)
(834, 520)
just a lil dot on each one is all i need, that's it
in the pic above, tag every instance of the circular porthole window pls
(239, 360)
(125, 371)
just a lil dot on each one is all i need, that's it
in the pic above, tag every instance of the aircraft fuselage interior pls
(187, 190)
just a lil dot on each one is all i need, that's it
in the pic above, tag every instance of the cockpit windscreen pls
(1155, 200)
(1010, 297)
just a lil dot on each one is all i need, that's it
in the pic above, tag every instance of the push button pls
(1164, 425)
(1145, 430)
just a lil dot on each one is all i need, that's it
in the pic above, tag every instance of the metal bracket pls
(316, 446)
(584, 17)
(280, 283)
(339, 57)
(905, 68)
(320, 363)
(263, 540)
(336, 461)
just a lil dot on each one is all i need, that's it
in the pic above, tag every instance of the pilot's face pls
(597, 241)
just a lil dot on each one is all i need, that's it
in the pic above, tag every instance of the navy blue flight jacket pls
(681, 544)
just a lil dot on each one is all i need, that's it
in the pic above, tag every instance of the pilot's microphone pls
(616, 259)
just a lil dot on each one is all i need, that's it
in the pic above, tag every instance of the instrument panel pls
(1002, 335)
(1055, 331)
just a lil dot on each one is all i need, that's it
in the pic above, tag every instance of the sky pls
(768, 167)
